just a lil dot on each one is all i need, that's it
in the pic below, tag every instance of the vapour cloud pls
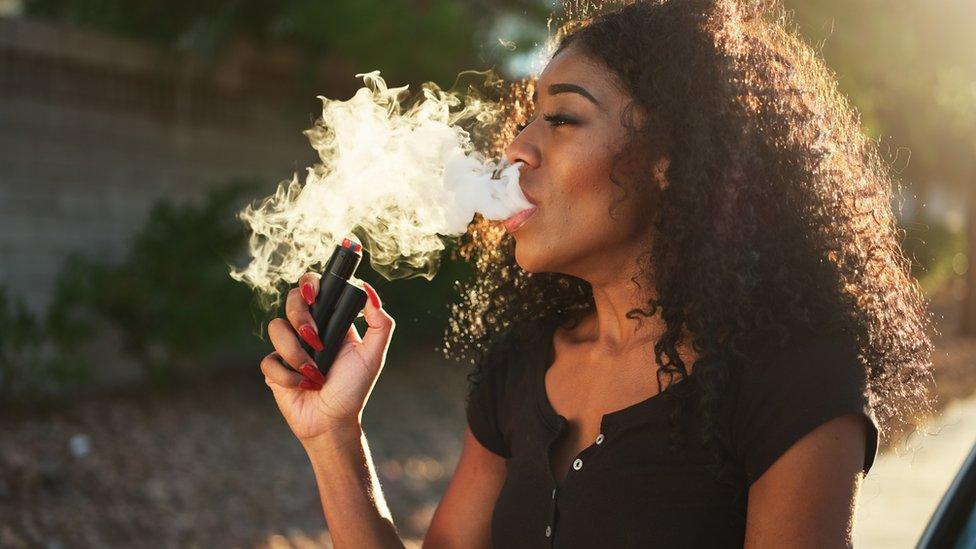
(400, 178)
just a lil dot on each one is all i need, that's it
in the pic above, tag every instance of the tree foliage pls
(401, 37)
(909, 67)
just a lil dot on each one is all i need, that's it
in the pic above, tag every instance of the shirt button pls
(548, 531)
(553, 493)
(599, 438)
(578, 464)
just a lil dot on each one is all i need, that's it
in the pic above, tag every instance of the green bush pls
(170, 299)
(30, 371)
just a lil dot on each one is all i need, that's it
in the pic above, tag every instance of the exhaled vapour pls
(397, 177)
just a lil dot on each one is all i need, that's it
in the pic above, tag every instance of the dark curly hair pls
(777, 215)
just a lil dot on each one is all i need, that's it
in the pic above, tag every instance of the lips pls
(528, 196)
(514, 222)
(517, 220)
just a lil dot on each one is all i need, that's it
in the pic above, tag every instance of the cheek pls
(584, 190)
(583, 160)
(601, 215)
(575, 218)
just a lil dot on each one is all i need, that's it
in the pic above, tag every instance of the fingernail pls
(306, 384)
(308, 293)
(374, 298)
(310, 337)
(312, 373)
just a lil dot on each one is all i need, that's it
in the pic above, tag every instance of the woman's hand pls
(314, 405)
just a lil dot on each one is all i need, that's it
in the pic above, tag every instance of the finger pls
(380, 324)
(286, 343)
(300, 318)
(309, 385)
(278, 373)
(308, 287)
(312, 373)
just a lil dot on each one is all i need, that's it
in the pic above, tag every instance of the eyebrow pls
(555, 89)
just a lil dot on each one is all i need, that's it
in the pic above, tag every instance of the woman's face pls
(568, 149)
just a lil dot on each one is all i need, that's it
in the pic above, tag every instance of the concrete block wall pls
(95, 129)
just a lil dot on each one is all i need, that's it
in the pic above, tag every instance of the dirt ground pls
(214, 465)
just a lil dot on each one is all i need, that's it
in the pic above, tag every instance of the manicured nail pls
(306, 384)
(308, 293)
(312, 373)
(308, 334)
(373, 296)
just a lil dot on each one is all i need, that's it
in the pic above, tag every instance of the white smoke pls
(396, 177)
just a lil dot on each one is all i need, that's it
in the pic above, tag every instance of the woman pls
(695, 339)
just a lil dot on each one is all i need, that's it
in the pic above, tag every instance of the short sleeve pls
(485, 397)
(815, 380)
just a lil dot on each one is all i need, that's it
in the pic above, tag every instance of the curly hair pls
(777, 216)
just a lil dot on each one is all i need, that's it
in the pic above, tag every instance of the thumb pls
(380, 325)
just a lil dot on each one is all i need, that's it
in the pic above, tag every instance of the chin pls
(529, 258)
(524, 257)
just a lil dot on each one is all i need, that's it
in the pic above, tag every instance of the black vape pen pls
(338, 303)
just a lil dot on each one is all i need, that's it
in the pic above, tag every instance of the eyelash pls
(555, 120)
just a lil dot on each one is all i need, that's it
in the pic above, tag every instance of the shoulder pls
(789, 392)
(809, 363)
(837, 345)
(494, 387)
(509, 356)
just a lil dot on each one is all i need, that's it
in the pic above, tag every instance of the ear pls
(659, 171)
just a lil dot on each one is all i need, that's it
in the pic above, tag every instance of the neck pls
(614, 294)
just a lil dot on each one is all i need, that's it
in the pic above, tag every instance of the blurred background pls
(132, 409)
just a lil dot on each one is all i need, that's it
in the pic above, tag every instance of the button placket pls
(578, 462)
(551, 519)
(552, 514)
(577, 466)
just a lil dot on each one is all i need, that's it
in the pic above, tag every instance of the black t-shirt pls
(628, 488)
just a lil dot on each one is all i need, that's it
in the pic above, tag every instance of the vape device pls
(337, 304)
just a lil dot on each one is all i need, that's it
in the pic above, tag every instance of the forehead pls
(573, 66)
(570, 63)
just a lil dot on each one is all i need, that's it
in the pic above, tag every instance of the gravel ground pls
(214, 465)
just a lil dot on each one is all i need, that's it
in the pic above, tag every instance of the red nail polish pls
(374, 298)
(308, 293)
(306, 384)
(312, 373)
(310, 337)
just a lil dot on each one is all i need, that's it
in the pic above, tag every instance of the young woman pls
(697, 336)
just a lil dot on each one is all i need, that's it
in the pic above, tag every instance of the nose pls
(523, 149)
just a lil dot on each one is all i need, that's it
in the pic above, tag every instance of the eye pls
(558, 119)
(554, 120)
